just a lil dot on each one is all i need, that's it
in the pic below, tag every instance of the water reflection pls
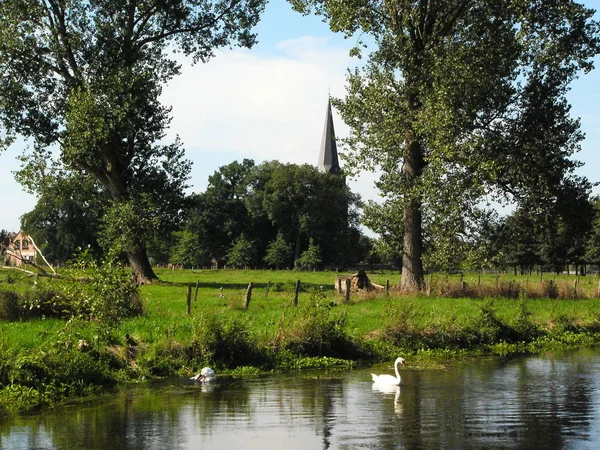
(547, 402)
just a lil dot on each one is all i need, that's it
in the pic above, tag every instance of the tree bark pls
(140, 265)
(412, 252)
(412, 265)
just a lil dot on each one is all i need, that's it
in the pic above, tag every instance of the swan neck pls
(396, 369)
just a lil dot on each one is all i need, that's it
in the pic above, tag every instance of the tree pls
(66, 217)
(4, 243)
(188, 250)
(302, 203)
(592, 247)
(219, 215)
(279, 252)
(87, 76)
(460, 100)
(241, 253)
(311, 257)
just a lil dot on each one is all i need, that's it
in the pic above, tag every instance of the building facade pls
(20, 250)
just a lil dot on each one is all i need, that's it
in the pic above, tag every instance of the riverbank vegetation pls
(61, 339)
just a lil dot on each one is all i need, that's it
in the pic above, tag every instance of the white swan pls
(389, 380)
(206, 375)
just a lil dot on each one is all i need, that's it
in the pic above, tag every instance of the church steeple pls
(328, 157)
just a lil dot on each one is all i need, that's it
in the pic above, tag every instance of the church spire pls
(328, 157)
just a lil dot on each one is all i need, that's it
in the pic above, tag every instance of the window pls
(17, 245)
(25, 244)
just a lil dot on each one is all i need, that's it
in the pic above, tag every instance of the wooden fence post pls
(189, 300)
(387, 287)
(268, 289)
(296, 293)
(248, 295)
(347, 297)
(339, 285)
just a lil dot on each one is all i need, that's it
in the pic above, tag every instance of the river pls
(550, 401)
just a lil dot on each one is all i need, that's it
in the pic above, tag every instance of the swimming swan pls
(389, 380)
(206, 375)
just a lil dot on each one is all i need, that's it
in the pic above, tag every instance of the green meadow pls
(195, 318)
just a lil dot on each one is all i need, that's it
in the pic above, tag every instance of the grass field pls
(273, 334)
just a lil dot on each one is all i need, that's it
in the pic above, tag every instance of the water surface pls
(547, 402)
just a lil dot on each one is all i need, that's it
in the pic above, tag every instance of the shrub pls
(107, 294)
(313, 330)
(227, 342)
(9, 305)
(17, 397)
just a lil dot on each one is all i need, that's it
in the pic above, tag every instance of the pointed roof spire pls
(328, 157)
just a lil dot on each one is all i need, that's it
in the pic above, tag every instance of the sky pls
(270, 102)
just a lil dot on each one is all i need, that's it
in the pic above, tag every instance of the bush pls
(106, 294)
(22, 398)
(226, 342)
(9, 305)
(313, 330)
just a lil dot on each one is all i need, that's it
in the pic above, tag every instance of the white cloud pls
(262, 107)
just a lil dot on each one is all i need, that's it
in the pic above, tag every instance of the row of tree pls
(272, 214)
(285, 215)
(275, 214)
(550, 238)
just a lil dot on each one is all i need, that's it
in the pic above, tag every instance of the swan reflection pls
(389, 390)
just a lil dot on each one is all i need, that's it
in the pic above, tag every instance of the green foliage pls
(592, 247)
(278, 253)
(315, 330)
(107, 295)
(46, 361)
(226, 342)
(9, 305)
(92, 84)
(301, 203)
(20, 398)
(241, 253)
(452, 119)
(188, 250)
(219, 215)
(311, 257)
(66, 216)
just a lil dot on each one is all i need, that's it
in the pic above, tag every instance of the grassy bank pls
(51, 351)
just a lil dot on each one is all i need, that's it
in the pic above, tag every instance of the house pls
(21, 248)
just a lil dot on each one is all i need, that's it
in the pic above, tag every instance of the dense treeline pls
(272, 214)
(285, 215)
(268, 215)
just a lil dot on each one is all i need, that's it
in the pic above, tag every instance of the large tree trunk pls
(140, 265)
(412, 264)
(412, 252)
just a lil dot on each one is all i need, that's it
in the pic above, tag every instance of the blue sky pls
(269, 103)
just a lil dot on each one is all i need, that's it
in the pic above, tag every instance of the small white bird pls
(389, 380)
(206, 375)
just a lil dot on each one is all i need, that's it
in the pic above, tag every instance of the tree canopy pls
(86, 76)
(462, 101)
(279, 208)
